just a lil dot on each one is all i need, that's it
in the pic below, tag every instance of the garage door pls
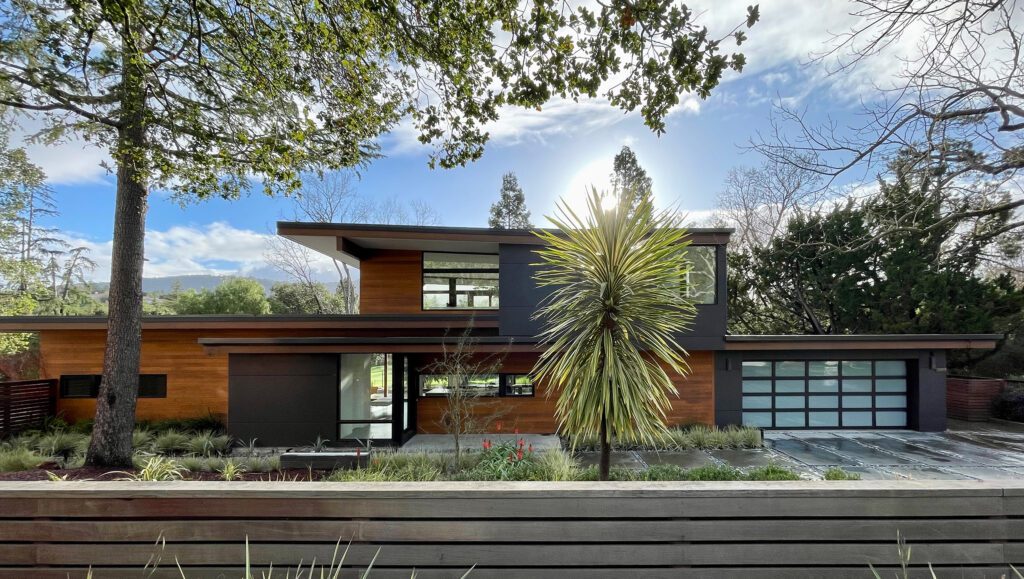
(825, 394)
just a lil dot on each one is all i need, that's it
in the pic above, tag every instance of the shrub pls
(231, 470)
(836, 473)
(664, 472)
(1009, 405)
(771, 471)
(504, 461)
(193, 463)
(62, 443)
(209, 422)
(21, 458)
(393, 466)
(142, 440)
(698, 436)
(157, 468)
(209, 443)
(261, 464)
(555, 465)
(714, 472)
(171, 442)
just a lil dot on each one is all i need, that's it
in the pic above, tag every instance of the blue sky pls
(555, 153)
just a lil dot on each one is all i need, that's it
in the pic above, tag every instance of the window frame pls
(504, 386)
(161, 388)
(453, 270)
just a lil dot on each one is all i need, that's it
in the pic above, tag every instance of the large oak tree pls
(204, 98)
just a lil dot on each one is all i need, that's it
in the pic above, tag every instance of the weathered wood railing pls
(26, 404)
(562, 530)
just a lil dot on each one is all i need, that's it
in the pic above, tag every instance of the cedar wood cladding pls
(197, 381)
(695, 403)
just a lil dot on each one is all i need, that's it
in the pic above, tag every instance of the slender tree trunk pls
(111, 443)
(604, 467)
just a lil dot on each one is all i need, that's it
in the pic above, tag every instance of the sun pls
(596, 173)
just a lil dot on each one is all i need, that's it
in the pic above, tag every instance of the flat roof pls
(861, 341)
(243, 321)
(352, 242)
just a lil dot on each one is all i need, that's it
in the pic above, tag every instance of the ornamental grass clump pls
(171, 442)
(19, 458)
(618, 278)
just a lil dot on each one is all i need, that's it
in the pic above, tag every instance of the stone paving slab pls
(747, 458)
(692, 458)
(927, 473)
(810, 454)
(986, 472)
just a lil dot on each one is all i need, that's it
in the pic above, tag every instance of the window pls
(460, 281)
(432, 385)
(518, 385)
(88, 385)
(824, 393)
(700, 281)
(80, 386)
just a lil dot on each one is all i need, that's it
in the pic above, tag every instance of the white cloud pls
(215, 249)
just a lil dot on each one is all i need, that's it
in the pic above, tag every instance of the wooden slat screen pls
(558, 530)
(26, 404)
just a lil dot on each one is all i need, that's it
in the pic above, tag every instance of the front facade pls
(375, 376)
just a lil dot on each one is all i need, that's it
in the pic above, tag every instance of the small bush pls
(836, 473)
(209, 422)
(231, 470)
(664, 472)
(17, 459)
(1009, 405)
(62, 443)
(193, 463)
(171, 442)
(157, 468)
(771, 471)
(393, 466)
(142, 440)
(697, 436)
(556, 465)
(504, 461)
(714, 472)
(209, 443)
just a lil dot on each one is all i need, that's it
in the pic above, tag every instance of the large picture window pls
(88, 385)
(432, 385)
(466, 281)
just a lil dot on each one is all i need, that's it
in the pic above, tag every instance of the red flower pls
(521, 443)
(487, 444)
(531, 448)
(519, 454)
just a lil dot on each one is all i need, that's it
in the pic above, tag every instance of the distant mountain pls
(186, 282)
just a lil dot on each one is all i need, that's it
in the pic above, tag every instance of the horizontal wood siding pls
(694, 404)
(26, 404)
(557, 530)
(391, 282)
(972, 398)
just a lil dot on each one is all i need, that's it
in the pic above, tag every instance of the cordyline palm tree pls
(618, 279)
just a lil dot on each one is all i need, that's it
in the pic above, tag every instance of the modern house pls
(288, 380)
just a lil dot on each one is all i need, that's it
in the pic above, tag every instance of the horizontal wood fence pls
(559, 530)
(26, 404)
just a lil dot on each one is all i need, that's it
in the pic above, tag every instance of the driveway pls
(968, 451)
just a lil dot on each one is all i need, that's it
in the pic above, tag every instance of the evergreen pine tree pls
(509, 211)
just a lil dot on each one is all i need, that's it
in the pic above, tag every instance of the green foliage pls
(509, 211)
(231, 470)
(849, 269)
(210, 422)
(509, 460)
(232, 296)
(630, 180)
(61, 443)
(208, 443)
(617, 301)
(394, 466)
(836, 473)
(156, 469)
(19, 458)
(698, 436)
(171, 442)
(303, 298)
(771, 471)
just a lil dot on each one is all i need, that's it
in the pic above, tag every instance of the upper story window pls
(700, 282)
(466, 281)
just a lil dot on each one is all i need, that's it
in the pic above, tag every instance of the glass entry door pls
(365, 398)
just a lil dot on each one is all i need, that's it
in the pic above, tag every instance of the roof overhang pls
(246, 322)
(398, 345)
(863, 342)
(353, 242)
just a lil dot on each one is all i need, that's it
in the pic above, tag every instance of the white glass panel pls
(891, 385)
(857, 385)
(856, 402)
(856, 368)
(823, 385)
(823, 368)
(364, 387)
(789, 386)
(757, 419)
(823, 419)
(750, 402)
(757, 369)
(891, 418)
(700, 281)
(757, 386)
(790, 420)
(363, 432)
(856, 419)
(891, 402)
(789, 401)
(891, 368)
(789, 368)
(823, 401)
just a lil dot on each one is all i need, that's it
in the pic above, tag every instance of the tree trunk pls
(604, 467)
(111, 443)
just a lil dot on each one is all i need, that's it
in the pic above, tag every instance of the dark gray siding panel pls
(283, 399)
(926, 381)
(519, 296)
